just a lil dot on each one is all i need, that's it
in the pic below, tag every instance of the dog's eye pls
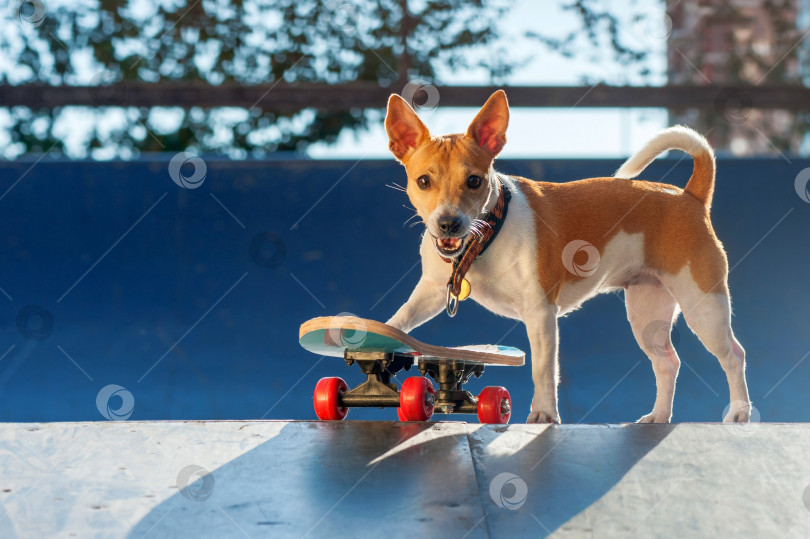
(423, 182)
(474, 182)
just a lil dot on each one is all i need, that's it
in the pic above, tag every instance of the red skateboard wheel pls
(494, 405)
(327, 397)
(416, 399)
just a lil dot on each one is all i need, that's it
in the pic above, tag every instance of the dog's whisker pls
(396, 187)
(416, 223)
(414, 216)
(481, 223)
(478, 227)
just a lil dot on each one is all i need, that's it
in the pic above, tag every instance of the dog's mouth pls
(449, 246)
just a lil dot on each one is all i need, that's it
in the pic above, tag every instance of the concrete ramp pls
(387, 479)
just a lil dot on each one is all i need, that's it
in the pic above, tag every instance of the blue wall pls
(185, 285)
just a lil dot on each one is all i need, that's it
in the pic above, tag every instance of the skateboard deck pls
(335, 335)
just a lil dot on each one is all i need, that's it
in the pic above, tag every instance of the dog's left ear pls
(488, 129)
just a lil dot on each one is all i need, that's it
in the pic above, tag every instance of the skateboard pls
(381, 351)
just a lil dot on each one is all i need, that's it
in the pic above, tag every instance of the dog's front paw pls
(654, 417)
(543, 417)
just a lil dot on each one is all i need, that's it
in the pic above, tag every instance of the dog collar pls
(458, 288)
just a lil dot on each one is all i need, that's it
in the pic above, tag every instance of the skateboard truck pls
(451, 376)
(377, 390)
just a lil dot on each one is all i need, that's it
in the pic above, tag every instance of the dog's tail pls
(701, 184)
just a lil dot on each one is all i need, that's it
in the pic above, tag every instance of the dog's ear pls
(405, 129)
(488, 129)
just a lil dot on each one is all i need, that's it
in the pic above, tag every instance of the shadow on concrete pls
(389, 479)
(565, 470)
(334, 479)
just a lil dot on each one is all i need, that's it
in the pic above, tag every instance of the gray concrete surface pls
(388, 479)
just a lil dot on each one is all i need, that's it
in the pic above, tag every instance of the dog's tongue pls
(449, 244)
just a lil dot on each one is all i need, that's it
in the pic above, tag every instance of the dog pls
(554, 245)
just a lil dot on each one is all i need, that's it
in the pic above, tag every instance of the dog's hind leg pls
(709, 316)
(652, 310)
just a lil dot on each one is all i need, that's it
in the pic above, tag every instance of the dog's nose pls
(449, 224)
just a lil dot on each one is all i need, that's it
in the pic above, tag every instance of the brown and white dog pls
(654, 240)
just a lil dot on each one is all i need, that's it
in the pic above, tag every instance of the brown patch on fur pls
(676, 227)
(701, 184)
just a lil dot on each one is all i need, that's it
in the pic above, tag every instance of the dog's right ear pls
(405, 130)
